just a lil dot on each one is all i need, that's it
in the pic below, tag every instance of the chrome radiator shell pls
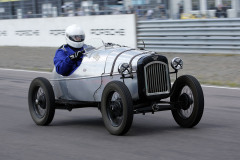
(153, 77)
(156, 78)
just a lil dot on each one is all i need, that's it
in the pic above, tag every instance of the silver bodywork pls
(88, 81)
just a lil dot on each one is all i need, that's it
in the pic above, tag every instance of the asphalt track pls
(81, 135)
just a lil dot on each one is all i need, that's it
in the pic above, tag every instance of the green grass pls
(219, 55)
(218, 83)
(215, 83)
(40, 69)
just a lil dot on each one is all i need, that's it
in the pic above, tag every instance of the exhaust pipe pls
(154, 108)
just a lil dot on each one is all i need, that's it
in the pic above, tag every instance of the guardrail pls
(190, 36)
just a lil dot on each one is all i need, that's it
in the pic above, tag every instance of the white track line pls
(20, 70)
(220, 87)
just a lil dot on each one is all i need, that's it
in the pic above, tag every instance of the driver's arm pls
(64, 65)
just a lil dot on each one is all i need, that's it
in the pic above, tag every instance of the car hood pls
(105, 61)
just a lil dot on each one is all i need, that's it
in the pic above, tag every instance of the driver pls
(69, 56)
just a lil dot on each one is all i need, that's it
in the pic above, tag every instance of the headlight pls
(124, 69)
(177, 63)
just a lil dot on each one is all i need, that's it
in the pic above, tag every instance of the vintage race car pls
(120, 82)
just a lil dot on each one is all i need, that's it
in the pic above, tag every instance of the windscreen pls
(94, 44)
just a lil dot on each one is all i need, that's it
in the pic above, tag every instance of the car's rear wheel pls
(117, 108)
(188, 101)
(41, 101)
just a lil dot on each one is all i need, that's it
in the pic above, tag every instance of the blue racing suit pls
(63, 64)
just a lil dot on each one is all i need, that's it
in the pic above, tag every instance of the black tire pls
(117, 108)
(41, 101)
(188, 101)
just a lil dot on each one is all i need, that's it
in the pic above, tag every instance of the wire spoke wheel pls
(188, 101)
(117, 108)
(41, 101)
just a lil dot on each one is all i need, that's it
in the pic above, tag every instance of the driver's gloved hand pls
(76, 56)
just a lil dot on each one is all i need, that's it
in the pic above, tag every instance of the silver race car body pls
(100, 66)
(119, 81)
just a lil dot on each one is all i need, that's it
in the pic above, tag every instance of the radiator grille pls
(156, 78)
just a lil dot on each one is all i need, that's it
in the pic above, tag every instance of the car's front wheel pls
(188, 101)
(117, 108)
(41, 101)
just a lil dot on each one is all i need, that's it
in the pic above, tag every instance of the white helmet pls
(74, 36)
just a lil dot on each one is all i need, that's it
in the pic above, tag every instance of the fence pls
(190, 36)
(18, 9)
